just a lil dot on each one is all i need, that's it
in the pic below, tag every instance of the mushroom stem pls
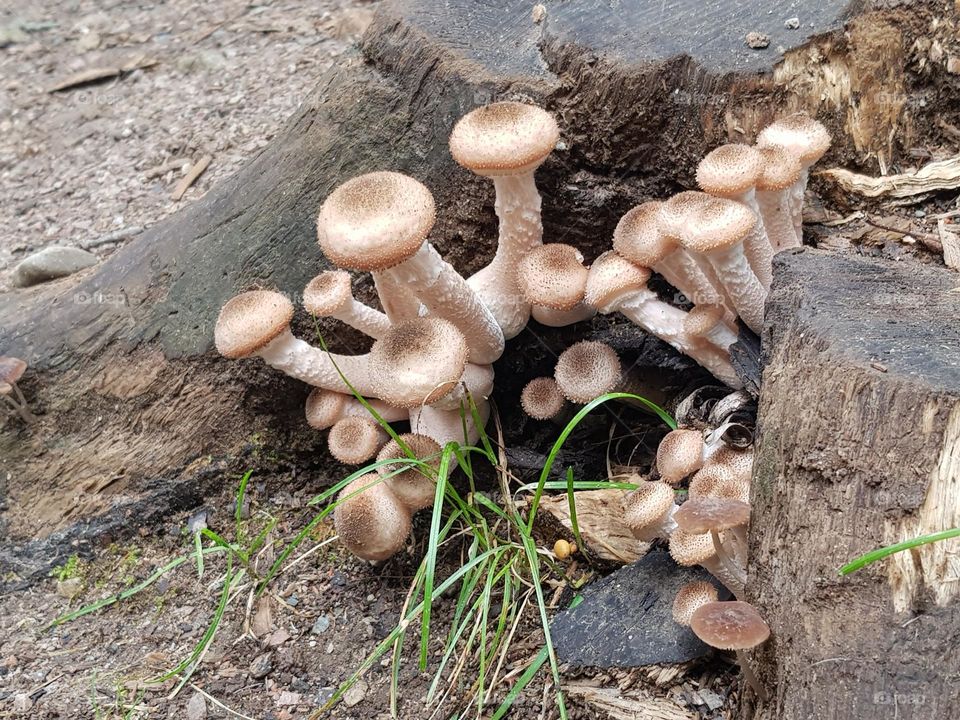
(303, 361)
(476, 382)
(20, 408)
(777, 212)
(364, 318)
(398, 302)
(446, 426)
(729, 564)
(757, 245)
(751, 676)
(446, 294)
(745, 290)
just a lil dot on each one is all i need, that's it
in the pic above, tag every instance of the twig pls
(930, 241)
(191, 177)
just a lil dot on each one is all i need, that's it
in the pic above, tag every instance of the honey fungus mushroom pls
(370, 520)
(11, 370)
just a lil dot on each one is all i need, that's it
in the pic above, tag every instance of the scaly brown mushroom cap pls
(327, 293)
(718, 481)
(251, 321)
(324, 407)
(675, 212)
(729, 170)
(731, 625)
(780, 169)
(587, 370)
(717, 223)
(503, 138)
(418, 362)
(542, 399)
(638, 238)
(414, 489)
(703, 514)
(647, 504)
(690, 598)
(738, 462)
(553, 276)
(373, 524)
(612, 277)
(11, 369)
(800, 134)
(355, 439)
(375, 221)
(702, 319)
(691, 548)
(679, 454)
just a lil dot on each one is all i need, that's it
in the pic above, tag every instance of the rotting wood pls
(938, 175)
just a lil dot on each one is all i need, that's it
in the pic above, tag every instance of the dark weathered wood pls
(859, 447)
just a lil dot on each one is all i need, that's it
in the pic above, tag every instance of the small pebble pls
(50, 264)
(757, 41)
(792, 23)
(197, 707)
(919, 213)
(356, 693)
(321, 625)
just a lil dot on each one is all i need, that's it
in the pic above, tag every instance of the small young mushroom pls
(542, 399)
(11, 370)
(507, 142)
(732, 171)
(707, 323)
(690, 598)
(714, 515)
(324, 407)
(680, 453)
(781, 171)
(414, 487)
(698, 549)
(718, 481)
(372, 524)
(738, 463)
(649, 510)
(586, 370)
(563, 549)
(380, 221)
(330, 294)
(355, 439)
(553, 279)
(808, 140)
(733, 625)
(717, 231)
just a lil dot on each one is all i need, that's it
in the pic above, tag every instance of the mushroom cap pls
(729, 625)
(373, 524)
(417, 362)
(250, 321)
(781, 168)
(729, 170)
(552, 276)
(690, 598)
(587, 370)
(5, 388)
(327, 293)
(679, 454)
(718, 481)
(414, 489)
(11, 369)
(542, 399)
(324, 407)
(738, 462)
(647, 504)
(375, 221)
(355, 439)
(504, 138)
(638, 238)
(612, 277)
(703, 514)
(702, 319)
(800, 134)
(673, 219)
(691, 548)
(718, 223)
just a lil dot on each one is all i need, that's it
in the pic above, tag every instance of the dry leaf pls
(101, 73)
(262, 622)
(600, 519)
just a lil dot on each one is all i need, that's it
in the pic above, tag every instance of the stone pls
(356, 693)
(22, 703)
(52, 263)
(626, 618)
(757, 41)
(321, 625)
(791, 23)
(197, 707)
(261, 666)
(69, 588)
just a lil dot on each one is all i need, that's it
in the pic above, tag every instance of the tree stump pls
(859, 447)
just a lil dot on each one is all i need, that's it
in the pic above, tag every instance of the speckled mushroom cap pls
(679, 454)
(702, 319)
(251, 321)
(504, 138)
(638, 238)
(674, 213)
(611, 278)
(730, 625)
(355, 439)
(691, 548)
(729, 170)
(739, 463)
(587, 370)
(690, 597)
(703, 514)
(647, 504)
(418, 362)
(718, 481)
(375, 221)
(327, 293)
(324, 407)
(552, 276)
(800, 134)
(373, 524)
(719, 223)
(780, 168)
(409, 483)
(11, 369)
(542, 399)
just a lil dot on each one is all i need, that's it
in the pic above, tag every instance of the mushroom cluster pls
(438, 333)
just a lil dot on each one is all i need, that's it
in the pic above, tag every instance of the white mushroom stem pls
(662, 528)
(446, 294)
(757, 245)
(776, 209)
(798, 193)
(364, 318)
(561, 318)
(388, 413)
(21, 407)
(744, 289)
(476, 381)
(716, 567)
(736, 572)
(521, 230)
(314, 366)
(398, 302)
(446, 426)
(699, 284)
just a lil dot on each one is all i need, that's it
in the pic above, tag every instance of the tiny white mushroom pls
(553, 279)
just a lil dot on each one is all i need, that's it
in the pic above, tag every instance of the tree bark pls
(859, 447)
(139, 416)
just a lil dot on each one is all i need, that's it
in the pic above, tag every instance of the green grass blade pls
(880, 553)
(572, 504)
(431, 558)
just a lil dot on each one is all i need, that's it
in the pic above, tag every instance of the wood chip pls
(96, 74)
(939, 175)
(951, 245)
(627, 706)
(191, 177)
(600, 519)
